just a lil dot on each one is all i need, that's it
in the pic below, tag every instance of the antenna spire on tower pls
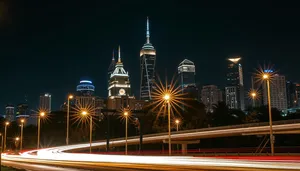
(119, 54)
(148, 31)
(113, 55)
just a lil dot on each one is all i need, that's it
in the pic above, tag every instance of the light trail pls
(61, 156)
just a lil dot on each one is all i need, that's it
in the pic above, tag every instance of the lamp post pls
(42, 114)
(5, 130)
(267, 78)
(21, 141)
(253, 96)
(17, 139)
(85, 113)
(177, 121)
(68, 118)
(126, 127)
(177, 124)
(1, 148)
(167, 100)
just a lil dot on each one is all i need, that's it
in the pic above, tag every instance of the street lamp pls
(266, 77)
(21, 142)
(167, 98)
(177, 121)
(85, 113)
(41, 114)
(1, 147)
(17, 142)
(5, 129)
(126, 127)
(68, 118)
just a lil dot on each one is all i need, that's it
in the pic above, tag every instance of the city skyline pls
(47, 60)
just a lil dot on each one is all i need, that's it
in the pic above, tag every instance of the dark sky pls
(48, 46)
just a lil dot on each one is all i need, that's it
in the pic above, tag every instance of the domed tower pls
(147, 65)
(85, 88)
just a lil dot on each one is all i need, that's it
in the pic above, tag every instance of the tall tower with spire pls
(111, 67)
(119, 84)
(147, 65)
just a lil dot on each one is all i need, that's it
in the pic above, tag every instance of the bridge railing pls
(215, 128)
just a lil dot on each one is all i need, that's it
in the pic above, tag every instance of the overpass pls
(279, 127)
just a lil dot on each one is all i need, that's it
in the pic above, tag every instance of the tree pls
(194, 115)
(223, 116)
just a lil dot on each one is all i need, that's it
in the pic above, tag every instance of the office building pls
(186, 79)
(234, 90)
(45, 102)
(210, 96)
(119, 89)
(277, 92)
(85, 88)
(10, 112)
(186, 72)
(147, 65)
(291, 94)
(23, 110)
(297, 94)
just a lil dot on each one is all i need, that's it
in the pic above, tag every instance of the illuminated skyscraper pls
(210, 96)
(119, 86)
(147, 64)
(45, 102)
(187, 72)
(277, 92)
(85, 88)
(10, 112)
(234, 90)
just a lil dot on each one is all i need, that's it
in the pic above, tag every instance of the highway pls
(62, 158)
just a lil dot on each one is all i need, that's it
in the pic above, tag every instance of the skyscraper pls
(111, 67)
(234, 90)
(277, 92)
(147, 65)
(119, 89)
(45, 102)
(210, 95)
(10, 112)
(85, 88)
(291, 94)
(186, 72)
(297, 95)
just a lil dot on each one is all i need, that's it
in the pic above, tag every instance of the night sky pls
(48, 46)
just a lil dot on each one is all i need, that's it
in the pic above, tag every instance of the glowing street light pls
(266, 77)
(167, 98)
(253, 95)
(5, 131)
(21, 142)
(177, 121)
(41, 115)
(85, 113)
(68, 118)
(126, 127)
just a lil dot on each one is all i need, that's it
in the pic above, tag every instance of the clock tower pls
(119, 84)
